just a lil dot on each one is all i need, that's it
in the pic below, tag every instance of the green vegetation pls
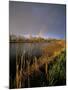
(57, 72)
(47, 68)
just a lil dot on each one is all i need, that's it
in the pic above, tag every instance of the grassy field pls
(48, 69)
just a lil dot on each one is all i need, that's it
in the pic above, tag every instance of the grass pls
(57, 72)
(48, 68)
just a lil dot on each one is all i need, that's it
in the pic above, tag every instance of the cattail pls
(17, 77)
(35, 62)
(28, 73)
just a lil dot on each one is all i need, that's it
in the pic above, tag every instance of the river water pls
(33, 50)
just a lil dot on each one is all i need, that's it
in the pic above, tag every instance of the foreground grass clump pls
(57, 72)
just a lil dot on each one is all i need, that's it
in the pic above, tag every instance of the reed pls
(28, 63)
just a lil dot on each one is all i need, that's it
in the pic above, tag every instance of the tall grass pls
(57, 72)
(44, 67)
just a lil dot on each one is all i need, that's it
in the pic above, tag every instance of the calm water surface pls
(33, 49)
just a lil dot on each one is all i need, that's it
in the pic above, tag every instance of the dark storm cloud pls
(31, 18)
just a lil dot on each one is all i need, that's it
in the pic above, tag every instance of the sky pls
(34, 18)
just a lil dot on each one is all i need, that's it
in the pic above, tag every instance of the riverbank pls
(33, 71)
